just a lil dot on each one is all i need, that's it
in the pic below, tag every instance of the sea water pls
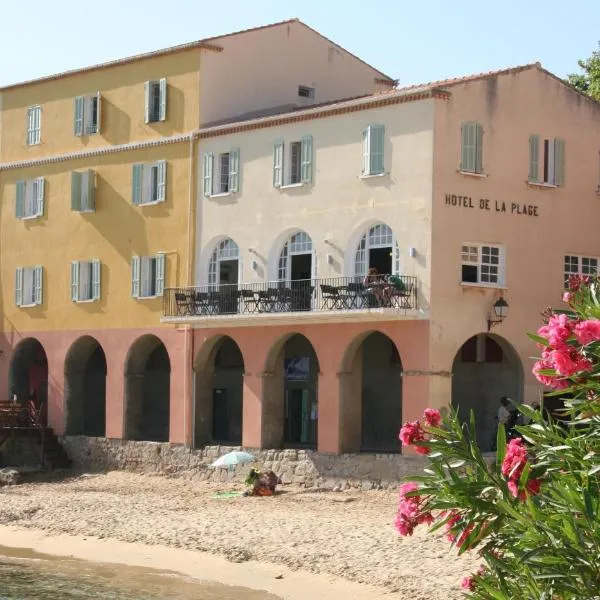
(25, 575)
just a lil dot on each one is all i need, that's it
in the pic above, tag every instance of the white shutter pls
(75, 281)
(234, 168)
(208, 173)
(98, 111)
(534, 157)
(163, 99)
(78, 116)
(160, 274)
(38, 283)
(161, 181)
(395, 256)
(135, 277)
(366, 162)
(278, 164)
(19, 286)
(96, 274)
(147, 102)
(76, 183)
(306, 159)
(136, 183)
(20, 200)
(39, 200)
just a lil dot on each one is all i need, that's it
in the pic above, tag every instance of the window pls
(373, 144)
(34, 125)
(482, 264)
(83, 191)
(86, 118)
(149, 183)
(28, 286)
(578, 265)
(471, 148)
(155, 101)
(30, 198)
(85, 280)
(148, 276)
(546, 161)
(306, 92)
(225, 180)
(296, 168)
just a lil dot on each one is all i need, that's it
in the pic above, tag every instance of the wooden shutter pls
(376, 149)
(163, 99)
(19, 286)
(96, 274)
(136, 183)
(234, 169)
(38, 284)
(147, 102)
(160, 274)
(75, 281)
(135, 277)
(39, 200)
(98, 111)
(78, 117)
(468, 150)
(278, 164)
(208, 173)
(534, 157)
(20, 200)
(161, 181)
(366, 151)
(478, 148)
(76, 182)
(559, 161)
(306, 159)
(89, 189)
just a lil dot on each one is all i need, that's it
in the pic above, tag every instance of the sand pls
(344, 540)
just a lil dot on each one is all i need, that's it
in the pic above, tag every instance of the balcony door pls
(297, 270)
(377, 249)
(224, 274)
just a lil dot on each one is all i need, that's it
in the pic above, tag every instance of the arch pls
(224, 263)
(371, 394)
(147, 390)
(85, 388)
(485, 368)
(218, 397)
(290, 394)
(281, 246)
(28, 374)
(373, 244)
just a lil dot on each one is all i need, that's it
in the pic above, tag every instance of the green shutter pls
(20, 200)
(136, 183)
(161, 181)
(377, 148)
(135, 277)
(78, 118)
(76, 181)
(278, 164)
(468, 151)
(234, 170)
(208, 173)
(96, 273)
(163, 99)
(478, 148)
(19, 286)
(38, 284)
(306, 159)
(98, 111)
(89, 189)
(559, 161)
(147, 102)
(75, 281)
(160, 274)
(39, 199)
(534, 157)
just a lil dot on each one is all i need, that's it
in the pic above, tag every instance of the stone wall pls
(299, 467)
(21, 451)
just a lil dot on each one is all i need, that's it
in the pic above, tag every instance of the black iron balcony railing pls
(316, 295)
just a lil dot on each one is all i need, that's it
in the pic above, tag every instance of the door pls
(220, 415)
(301, 273)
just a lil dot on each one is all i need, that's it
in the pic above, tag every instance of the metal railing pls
(305, 295)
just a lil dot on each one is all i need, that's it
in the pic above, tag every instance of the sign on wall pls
(496, 206)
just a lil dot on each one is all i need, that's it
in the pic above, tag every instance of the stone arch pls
(277, 249)
(376, 244)
(28, 374)
(147, 390)
(85, 388)
(218, 392)
(371, 394)
(485, 368)
(290, 393)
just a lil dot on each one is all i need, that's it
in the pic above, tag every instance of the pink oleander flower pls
(410, 512)
(515, 459)
(587, 331)
(404, 526)
(468, 583)
(533, 487)
(557, 331)
(569, 362)
(567, 297)
(411, 432)
(432, 417)
(576, 281)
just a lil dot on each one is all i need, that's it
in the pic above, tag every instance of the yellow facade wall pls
(114, 233)
(122, 106)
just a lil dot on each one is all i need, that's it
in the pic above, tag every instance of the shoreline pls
(200, 566)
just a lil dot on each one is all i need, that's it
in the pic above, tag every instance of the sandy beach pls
(299, 544)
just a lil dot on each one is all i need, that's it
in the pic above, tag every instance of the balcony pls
(311, 300)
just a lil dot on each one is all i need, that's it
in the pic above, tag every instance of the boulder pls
(9, 476)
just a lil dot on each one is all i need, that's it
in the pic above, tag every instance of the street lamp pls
(500, 310)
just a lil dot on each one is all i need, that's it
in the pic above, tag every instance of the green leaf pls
(538, 339)
(500, 445)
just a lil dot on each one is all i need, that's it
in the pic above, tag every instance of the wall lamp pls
(500, 310)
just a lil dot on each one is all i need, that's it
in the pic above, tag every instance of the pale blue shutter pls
(38, 284)
(478, 148)
(163, 99)
(464, 147)
(147, 102)
(96, 273)
(161, 181)
(234, 169)
(470, 133)
(160, 274)
(306, 159)
(135, 277)
(75, 281)
(136, 183)
(39, 200)
(20, 200)
(76, 191)
(78, 115)
(89, 189)
(377, 147)
(366, 162)
(278, 164)
(98, 111)
(208, 173)
(559, 161)
(534, 160)
(19, 286)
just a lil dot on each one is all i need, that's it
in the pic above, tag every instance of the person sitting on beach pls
(263, 484)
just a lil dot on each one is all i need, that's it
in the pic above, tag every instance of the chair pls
(331, 297)
(182, 304)
(356, 295)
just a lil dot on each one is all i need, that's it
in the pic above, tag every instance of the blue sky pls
(413, 41)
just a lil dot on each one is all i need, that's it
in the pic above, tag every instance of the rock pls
(9, 476)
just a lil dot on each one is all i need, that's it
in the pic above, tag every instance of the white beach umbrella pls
(231, 459)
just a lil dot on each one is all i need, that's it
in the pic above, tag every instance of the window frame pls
(94, 266)
(33, 131)
(580, 269)
(213, 175)
(141, 283)
(546, 154)
(467, 248)
(471, 148)
(148, 189)
(295, 157)
(29, 201)
(86, 109)
(155, 100)
(36, 276)
(370, 156)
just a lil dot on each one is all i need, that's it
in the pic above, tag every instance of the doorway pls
(297, 269)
